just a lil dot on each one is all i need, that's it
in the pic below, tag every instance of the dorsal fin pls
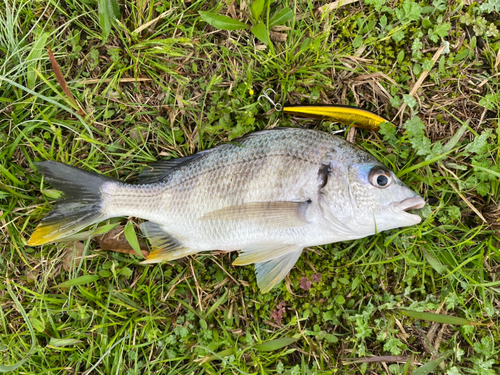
(157, 170)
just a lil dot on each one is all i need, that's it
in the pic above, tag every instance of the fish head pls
(362, 196)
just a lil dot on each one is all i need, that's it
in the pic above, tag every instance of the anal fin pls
(262, 252)
(271, 272)
(165, 246)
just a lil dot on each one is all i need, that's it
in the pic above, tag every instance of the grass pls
(177, 86)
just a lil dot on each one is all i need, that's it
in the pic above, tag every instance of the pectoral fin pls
(280, 214)
(271, 272)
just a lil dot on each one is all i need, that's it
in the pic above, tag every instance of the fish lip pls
(413, 203)
(409, 204)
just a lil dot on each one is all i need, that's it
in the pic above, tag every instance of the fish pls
(268, 195)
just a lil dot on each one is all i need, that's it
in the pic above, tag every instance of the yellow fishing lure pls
(346, 115)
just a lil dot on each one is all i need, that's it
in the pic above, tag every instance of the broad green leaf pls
(438, 318)
(274, 344)
(82, 280)
(37, 324)
(10, 368)
(131, 237)
(108, 12)
(33, 59)
(203, 324)
(462, 55)
(331, 338)
(260, 32)
(435, 263)
(430, 366)
(256, 8)
(59, 343)
(127, 272)
(222, 22)
(280, 17)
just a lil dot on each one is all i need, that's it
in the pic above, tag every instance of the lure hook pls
(277, 106)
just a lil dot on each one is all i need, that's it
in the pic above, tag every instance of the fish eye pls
(380, 178)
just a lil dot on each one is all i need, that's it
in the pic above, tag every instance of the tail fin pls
(80, 206)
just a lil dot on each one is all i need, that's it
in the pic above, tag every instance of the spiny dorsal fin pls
(165, 246)
(157, 170)
(273, 271)
(276, 215)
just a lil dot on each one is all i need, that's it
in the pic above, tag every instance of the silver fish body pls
(269, 194)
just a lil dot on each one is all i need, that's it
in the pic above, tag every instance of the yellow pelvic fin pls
(357, 117)
(165, 246)
(165, 255)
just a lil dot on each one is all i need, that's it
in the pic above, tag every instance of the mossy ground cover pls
(160, 82)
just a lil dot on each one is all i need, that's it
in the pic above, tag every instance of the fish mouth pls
(413, 203)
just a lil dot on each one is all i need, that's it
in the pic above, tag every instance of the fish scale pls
(269, 194)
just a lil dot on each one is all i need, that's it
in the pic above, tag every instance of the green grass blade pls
(82, 280)
(423, 164)
(438, 318)
(281, 17)
(222, 22)
(131, 237)
(220, 355)
(435, 263)
(7, 368)
(487, 170)
(456, 137)
(48, 100)
(60, 343)
(430, 366)
(275, 344)
(33, 58)
(219, 302)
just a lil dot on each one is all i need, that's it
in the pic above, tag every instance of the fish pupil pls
(382, 180)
